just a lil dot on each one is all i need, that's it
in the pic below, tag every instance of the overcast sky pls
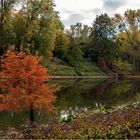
(85, 11)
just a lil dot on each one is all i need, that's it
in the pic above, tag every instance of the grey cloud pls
(68, 11)
(73, 19)
(97, 11)
(113, 4)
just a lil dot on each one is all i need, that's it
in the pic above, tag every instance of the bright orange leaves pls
(22, 83)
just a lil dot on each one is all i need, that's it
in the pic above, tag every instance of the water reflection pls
(80, 95)
(87, 93)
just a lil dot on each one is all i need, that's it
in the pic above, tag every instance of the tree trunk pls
(17, 48)
(133, 63)
(137, 65)
(31, 115)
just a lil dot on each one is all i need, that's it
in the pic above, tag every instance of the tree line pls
(34, 27)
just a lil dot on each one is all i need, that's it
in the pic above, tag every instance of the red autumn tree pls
(23, 84)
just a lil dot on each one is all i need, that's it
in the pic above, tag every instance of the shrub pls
(122, 66)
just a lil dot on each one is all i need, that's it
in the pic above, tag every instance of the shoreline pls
(96, 77)
(80, 77)
(132, 76)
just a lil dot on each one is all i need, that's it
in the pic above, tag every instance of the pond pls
(77, 95)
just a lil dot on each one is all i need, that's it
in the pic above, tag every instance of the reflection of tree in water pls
(87, 93)
(122, 87)
(99, 94)
(136, 89)
(71, 95)
(10, 118)
(76, 95)
(114, 92)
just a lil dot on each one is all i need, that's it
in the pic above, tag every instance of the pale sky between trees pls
(73, 11)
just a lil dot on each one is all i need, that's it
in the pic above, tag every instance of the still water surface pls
(78, 95)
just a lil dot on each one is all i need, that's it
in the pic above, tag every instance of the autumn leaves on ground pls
(35, 44)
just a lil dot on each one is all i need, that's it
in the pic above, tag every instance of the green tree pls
(102, 39)
(5, 30)
(79, 35)
(129, 38)
(40, 23)
(122, 66)
(73, 56)
(61, 44)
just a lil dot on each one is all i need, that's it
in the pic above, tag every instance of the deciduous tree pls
(5, 13)
(39, 23)
(24, 84)
(102, 37)
(128, 24)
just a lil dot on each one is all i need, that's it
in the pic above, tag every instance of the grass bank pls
(83, 68)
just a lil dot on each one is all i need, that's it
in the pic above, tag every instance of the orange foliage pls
(23, 83)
